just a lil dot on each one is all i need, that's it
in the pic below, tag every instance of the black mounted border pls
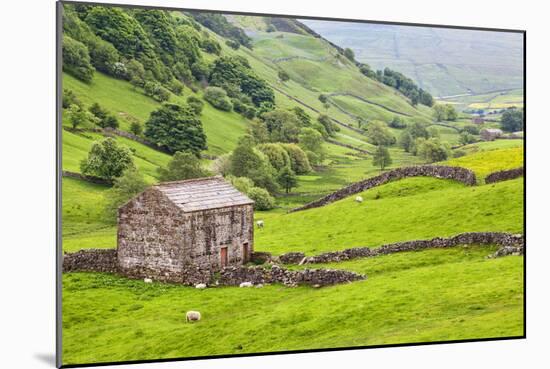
(59, 248)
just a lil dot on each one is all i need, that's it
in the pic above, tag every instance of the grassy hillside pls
(222, 129)
(486, 162)
(448, 295)
(399, 211)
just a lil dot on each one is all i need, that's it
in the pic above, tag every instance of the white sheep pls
(260, 223)
(147, 280)
(246, 284)
(192, 316)
(358, 199)
(200, 286)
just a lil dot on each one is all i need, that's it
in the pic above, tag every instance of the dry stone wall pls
(91, 179)
(463, 175)
(91, 260)
(504, 175)
(512, 243)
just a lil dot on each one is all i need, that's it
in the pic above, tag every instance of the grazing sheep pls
(192, 316)
(358, 199)
(147, 280)
(200, 286)
(246, 284)
(260, 223)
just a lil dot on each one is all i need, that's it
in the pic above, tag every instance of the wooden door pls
(223, 256)
(245, 252)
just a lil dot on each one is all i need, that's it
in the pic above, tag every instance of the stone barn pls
(170, 227)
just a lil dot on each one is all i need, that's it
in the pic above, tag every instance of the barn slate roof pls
(203, 194)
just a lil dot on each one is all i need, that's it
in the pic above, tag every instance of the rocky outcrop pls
(463, 175)
(504, 175)
(509, 243)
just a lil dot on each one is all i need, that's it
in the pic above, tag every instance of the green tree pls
(247, 161)
(439, 112)
(379, 134)
(128, 185)
(512, 120)
(107, 159)
(397, 122)
(311, 140)
(277, 155)
(282, 125)
(262, 199)
(325, 120)
(381, 157)
(287, 179)
(196, 104)
(136, 128)
(76, 60)
(176, 128)
(407, 141)
(432, 150)
(451, 112)
(299, 162)
(183, 165)
(348, 53)
(218, 98)
(466, 138)
(323, 98)
(258, 131)
(79, 117)
(69, 98)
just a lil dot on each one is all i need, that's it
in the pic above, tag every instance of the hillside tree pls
(176, 128)
(183, 165)
(381, 157)
(287, 179)
(512, 120)
(107, 159)
(129, 184)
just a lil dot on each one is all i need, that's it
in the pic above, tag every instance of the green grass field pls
(449, 294)
(430, 295)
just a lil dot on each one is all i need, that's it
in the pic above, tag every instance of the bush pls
(136, 128)
(242, 184)
(397, 122)
(471, 129)
(283, 75)
(211, 46)
(176, 87)
(379, 134)
(176, 128)
(247, 161)
(282, 125)
(432, 150)
(156, 91)
(233, 44)
(69, 98)
(183, 165)
(107, 159)
(262, 199)
(80, 117)
(218, 98)
(276, 154)
(512, 120)
(299, 162)
(135, 73)
(76, 60)
(222, 165)
(325, 120)
(196, 104)
(104, 118)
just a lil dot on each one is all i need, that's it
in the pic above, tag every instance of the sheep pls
(358, 199)
(200, 286)
(246, 284)
(192, 316)
(147, 280)
(260, 223)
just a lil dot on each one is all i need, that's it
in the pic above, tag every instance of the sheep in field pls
(192, 316)
(358, 199)
(246, 284)
(147, 280)
(200, 286)
(260, 223)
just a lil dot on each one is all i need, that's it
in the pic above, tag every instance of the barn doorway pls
(223, 256)
(245, 252)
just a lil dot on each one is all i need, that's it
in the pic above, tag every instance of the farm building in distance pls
(201, 222)
(490, 134)
(478, 120)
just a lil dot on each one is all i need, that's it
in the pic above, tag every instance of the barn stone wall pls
(206, 232)
(157, 239)
(463, 175)
(91, 260)
(150, 235)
